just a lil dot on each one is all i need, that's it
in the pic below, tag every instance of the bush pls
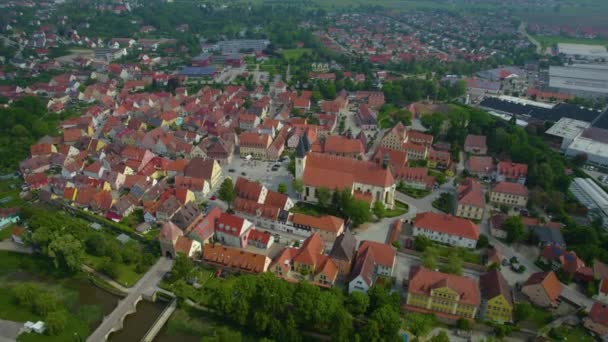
(482, 242)
(464, 324)
(56, 322)
(109, 268)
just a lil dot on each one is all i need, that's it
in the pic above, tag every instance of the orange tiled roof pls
(423, 280)
(235, 258)
(327, 223)
(384, 254)
(511, 188)
(549, 282)
(447, 224)
(471, 193)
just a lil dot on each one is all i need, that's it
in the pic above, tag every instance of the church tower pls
(301, 152)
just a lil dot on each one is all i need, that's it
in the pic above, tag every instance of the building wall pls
(499, 233)
(599, 329)
(469, 211)
(497, 309)
(508, 199)
(255, 152)
(358, 284)
(441, 303)
(452, 240)
(537, 295)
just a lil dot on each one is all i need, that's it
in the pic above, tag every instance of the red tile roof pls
(475, 141)
(512, 170)
(326, 223)
(471, 193)
(599, 313)
(254, 140)
(235, 258)
(339, 144)
(549, 282)
(423, 280)
(227, 221)
(338, 172)
(447, 224)
(384, 254)
(511, 188)
(480, 164)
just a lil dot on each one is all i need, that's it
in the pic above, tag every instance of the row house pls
(235, 260)
(496, 298)
(475, 144)
(511, 172)
(254, 145)
(447, 229)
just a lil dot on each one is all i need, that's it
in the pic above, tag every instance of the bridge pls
(148, 282)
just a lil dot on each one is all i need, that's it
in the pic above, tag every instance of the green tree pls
(109, 268)
(379, 209)
(421, 243)
(26, 294)
(226, 192)
(371, 332)
(358, 211)
(453, 265)
(46, 302)
(441, 337)
(56, 322)
(282, 188)
(483, 241)
(522, 311)
(323, 196)
(515, 229)
(420, 324)
(66, 252)
(430, 258)
(388, 320)
(298, 185)
(183, 266)
(357, 303)
(464, 324)
(95, 244)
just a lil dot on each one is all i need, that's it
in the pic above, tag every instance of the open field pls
(548, 41)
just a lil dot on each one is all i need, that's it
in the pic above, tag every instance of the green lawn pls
(416, 193)
(400, 209)
(9, 193)
(295, 54)
(579, 334)
(127, 276)
(6, 233)
(308, 209)
(464, 254)
(548, 41)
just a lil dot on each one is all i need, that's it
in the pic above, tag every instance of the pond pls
(136, 325)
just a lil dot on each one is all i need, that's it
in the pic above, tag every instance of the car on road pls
(212, 198)
(243, 173)
(275, 168)
(230, 170)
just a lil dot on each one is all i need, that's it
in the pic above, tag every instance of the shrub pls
(56, 322)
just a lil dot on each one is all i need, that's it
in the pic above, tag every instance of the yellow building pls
(496, 299)
(254, 145)
(442, 293)
(470, 200)
(511, 194)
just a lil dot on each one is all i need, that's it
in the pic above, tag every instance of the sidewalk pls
(107, 279)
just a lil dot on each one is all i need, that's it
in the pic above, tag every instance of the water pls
(136, 325)
(163, 336)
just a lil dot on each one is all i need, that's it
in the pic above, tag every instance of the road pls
(9, 246)
(522, 30)
(149, 281)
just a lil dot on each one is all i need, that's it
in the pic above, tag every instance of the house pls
(470, 202)
(204, 230)
(254, 145)
(343, 252)
(373, 260)
(445, 228)
(444, 294)
(9, 216)
(480, 166)
(235, 259)
(317, 170)
(206, 169)
(187, 217)
(510, 194)
(248, 121)
(343, 146)
(559, 258)
(327, 227)
(306, 263)
(548, 236)
(543, 289)
(17, 235)
(597, 320)
(167, 237)
(511, 172)
(476, 144)
(497, 223)
(496, 299)
(366, 117)
(232, 230)
(260, 239)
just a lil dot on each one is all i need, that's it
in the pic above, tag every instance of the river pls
(137, 324)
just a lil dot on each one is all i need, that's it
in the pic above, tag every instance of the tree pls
(183, 266)
(379, 209)
(226, 192)
(95, 244)
(56, 322)
(357, 303)
(515, 229)
(371, 331)
(109, 268)
(323, 196)
(358, 211)
(421, 243)
(282, 188)
(441, 337)
(420, 324)
(298, 185)
(388, 320)
(454, 264)
(430, 258)
(522, 311)
(66, 252)
(483, 241)
(464, 324)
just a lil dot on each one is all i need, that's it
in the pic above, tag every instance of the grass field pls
(294, 53)
(548, 41)
(127, 275)
(400, 209)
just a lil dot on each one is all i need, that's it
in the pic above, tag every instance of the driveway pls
(9, 330)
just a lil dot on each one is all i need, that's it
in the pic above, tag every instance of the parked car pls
(230, 170)
(243, 173)
(212, 198)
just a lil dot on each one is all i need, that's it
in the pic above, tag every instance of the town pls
(274, 172)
